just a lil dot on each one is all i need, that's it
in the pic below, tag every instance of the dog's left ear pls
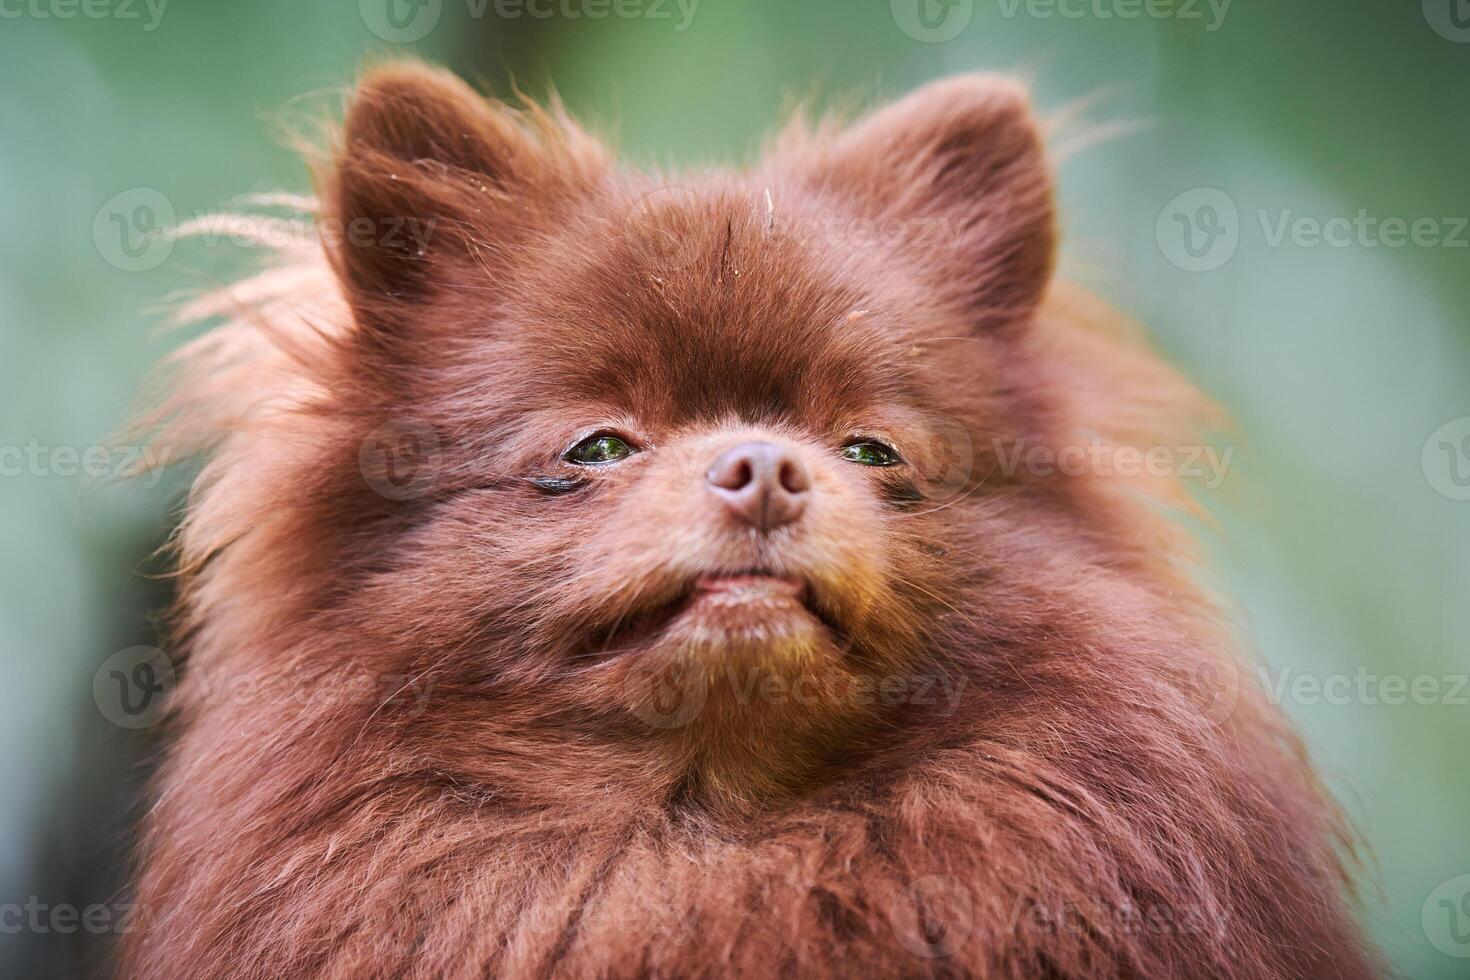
(430, 179)
(957, 171)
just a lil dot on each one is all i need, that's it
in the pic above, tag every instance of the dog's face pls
(698, 455)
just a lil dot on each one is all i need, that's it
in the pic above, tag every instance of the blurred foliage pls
(1337, 362)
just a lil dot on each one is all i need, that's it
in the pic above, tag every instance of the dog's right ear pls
(962, 157)
(430, 178)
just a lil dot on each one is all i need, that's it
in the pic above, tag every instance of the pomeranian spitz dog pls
(683, 577)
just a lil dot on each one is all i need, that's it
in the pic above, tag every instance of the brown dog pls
(645, 579)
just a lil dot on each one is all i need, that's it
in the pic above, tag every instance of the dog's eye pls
(598, 449)
(871, 453)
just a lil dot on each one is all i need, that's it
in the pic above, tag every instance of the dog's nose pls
(761, 483)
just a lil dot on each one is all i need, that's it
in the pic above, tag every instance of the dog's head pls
(709, 471)
(679, 451)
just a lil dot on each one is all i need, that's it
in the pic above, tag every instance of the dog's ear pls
(957, 169)
(429, 177)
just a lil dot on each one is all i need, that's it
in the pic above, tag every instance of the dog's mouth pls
(749, 606)
(751, 589)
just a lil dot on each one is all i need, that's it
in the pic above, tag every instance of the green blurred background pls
(1343, 527)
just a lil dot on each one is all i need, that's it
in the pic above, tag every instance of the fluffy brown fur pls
(491, 726)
